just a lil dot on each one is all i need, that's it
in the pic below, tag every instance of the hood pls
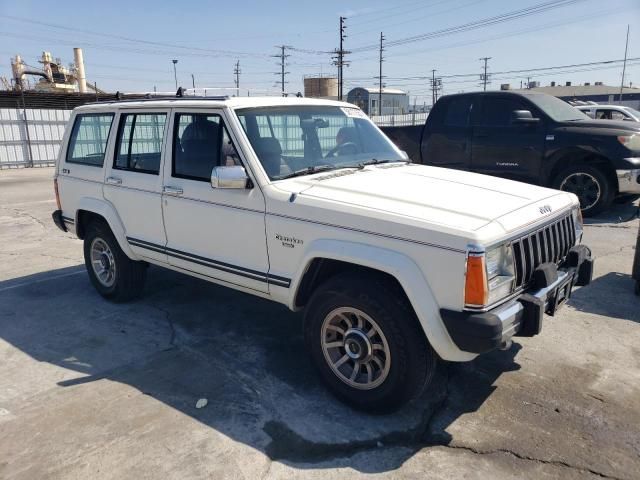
(454, 199)
(632, 127)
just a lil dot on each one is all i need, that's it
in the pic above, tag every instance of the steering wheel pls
(346, 148)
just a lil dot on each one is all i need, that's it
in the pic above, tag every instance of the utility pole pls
(436, 86)
(380, 76)
(282, 56)
(193, 81)
(236, 72)
(624, 65)
(339, 60)
(175, 74)
(484, 78)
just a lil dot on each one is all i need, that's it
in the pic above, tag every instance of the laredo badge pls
(289, 242)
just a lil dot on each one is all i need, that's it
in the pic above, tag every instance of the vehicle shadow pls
(619, 213)
(187, 339)
(615, 297)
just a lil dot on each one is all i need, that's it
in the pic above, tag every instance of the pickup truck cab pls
(530, 137)
(305, 202)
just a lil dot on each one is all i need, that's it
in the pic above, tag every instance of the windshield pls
(298, 140)
(557, 109)
(633, 112)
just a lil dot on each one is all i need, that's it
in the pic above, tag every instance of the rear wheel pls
(367, 343)
(114, 275)
(592, 187)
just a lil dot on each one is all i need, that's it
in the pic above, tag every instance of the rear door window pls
(89, 136)
(139, 144)
(458, 112)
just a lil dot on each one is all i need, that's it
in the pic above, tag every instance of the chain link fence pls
(31, 137)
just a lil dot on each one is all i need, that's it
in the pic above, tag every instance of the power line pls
(417, 19)
(282, 56)
(476, 41)
(505, 17)
(526, 70)
(131, 39)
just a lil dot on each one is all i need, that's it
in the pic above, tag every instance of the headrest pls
(348, 134)
(201, 130)
(268, 146)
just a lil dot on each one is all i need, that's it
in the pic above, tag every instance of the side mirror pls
(229, 177)
(523, 117)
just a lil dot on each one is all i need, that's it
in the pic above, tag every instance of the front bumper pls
(522, 316)
(628, 180)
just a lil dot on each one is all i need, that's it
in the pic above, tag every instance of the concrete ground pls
(91, 389)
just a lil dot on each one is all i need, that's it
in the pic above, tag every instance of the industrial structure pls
(54, 76)
(394, 101)
(321, 86)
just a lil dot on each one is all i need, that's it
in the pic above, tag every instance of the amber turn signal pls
(476, 291)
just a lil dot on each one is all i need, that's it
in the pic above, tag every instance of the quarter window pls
(201, 142)
(88, 140)
(139, 145)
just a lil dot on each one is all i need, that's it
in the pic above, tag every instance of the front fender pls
(106, 210)
(403, 269)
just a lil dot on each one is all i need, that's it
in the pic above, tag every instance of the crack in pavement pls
(172, 327)
(26, 214)
(560, 463)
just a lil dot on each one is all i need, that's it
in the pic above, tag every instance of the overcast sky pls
(128, 46)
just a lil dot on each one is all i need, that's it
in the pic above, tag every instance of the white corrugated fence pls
(30, 137)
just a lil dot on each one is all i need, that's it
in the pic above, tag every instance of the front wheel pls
(367, 343)
(592, 187)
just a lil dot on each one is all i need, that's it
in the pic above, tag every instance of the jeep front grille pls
(550, 243)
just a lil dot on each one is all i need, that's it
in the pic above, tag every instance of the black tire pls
(412, 361)
(127, 281)
(592, 186)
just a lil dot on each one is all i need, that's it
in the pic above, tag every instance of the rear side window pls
(139, 144)
(458, 112)
(89, 137)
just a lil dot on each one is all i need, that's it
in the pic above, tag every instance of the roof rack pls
(148, 96)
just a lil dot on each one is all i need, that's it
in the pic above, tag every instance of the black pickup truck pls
(530, 137)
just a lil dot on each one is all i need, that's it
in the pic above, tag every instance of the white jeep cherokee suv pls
(307, 203)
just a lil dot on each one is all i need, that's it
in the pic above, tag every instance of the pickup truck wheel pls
(591, 186)
(367, 343)
(114, 275)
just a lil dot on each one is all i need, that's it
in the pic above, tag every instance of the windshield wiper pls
(308, 171)
(375, 161)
